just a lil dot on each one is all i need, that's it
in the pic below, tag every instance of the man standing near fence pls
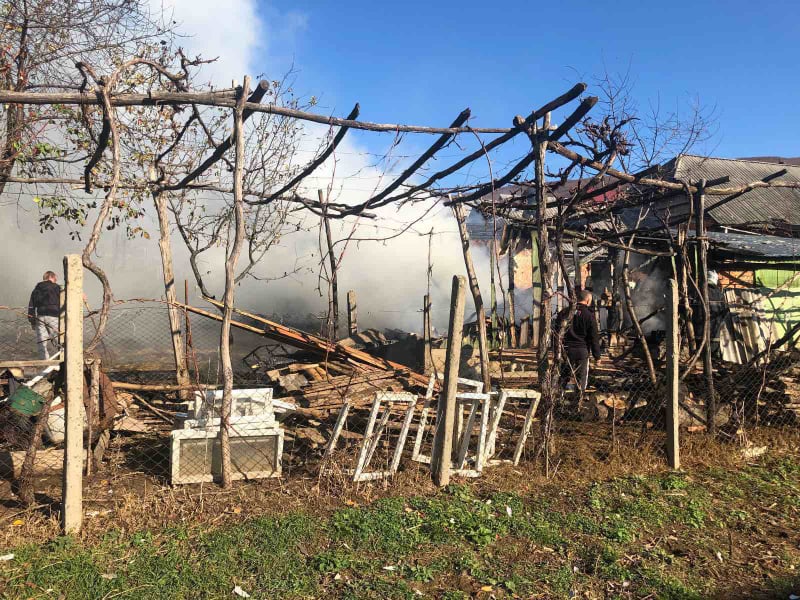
(580, 338)
(43, 310)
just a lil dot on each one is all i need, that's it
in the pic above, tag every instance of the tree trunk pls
(165, 247)
(480, 312)
(702, 283)
(230, 276)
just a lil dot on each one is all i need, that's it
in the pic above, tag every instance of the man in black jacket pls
(580, 338)
(43, 309)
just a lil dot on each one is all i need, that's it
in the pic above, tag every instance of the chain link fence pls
(146, 433)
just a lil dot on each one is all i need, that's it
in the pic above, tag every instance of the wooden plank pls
(21, 364)
(307, 341)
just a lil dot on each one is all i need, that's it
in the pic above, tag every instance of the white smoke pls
(389, 277)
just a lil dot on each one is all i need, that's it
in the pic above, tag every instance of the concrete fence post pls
(673, 378)
(72, 488)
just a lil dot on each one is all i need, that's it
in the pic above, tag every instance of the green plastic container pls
(24, 401)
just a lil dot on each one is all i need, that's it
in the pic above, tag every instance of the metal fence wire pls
(295, 413)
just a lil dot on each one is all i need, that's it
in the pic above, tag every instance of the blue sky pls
(423, 62)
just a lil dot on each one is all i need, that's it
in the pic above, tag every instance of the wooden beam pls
(314, 164)
(21, 364)
(227, 100)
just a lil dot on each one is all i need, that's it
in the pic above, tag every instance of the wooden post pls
(512, 316)
(165, 248)
(352, 315)
(441, 461)
(536, 287)
(524, 332)
(427, 358)
(673, 377)
(94, 410)
(72, 489)
(576, 258)
(702, 282)
(480, 312)
(333, 299)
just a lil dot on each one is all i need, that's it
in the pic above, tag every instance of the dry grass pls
(116, 499)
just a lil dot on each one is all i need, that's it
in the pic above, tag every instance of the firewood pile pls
(320, 388)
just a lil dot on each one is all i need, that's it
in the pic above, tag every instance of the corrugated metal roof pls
(761, 205)
(742, 245)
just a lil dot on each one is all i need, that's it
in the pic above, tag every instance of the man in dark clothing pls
(580, 338)
(43, 310)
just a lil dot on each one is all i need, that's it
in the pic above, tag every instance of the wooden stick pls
(424, 157)
(427, 357)
(441, 460)
(512, 316)
(314, 164)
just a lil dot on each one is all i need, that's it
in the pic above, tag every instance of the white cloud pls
(229, 31)
(389, 277)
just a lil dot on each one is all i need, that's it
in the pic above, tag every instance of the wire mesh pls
(144, 434)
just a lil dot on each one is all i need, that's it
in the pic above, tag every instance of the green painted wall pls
(783, 309)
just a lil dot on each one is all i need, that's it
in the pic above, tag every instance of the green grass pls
(669, 536)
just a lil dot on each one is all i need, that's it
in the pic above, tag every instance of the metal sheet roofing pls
(760, 205)
(745, 246)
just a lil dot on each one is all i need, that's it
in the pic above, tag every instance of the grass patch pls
(668, 535)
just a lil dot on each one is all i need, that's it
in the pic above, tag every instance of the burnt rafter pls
(314, 164)
(579, 113)
(563, 99)
(255, 97)
(445, 138)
